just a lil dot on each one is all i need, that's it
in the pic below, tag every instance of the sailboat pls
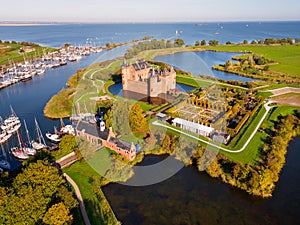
(12, 123)
(4, 137)
(53, 137)
(40, 144)
(29, 151)
(20, 152)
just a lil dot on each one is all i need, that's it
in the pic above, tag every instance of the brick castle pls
(141, 78)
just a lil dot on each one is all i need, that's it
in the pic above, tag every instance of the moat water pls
(192, 197)
(117, 90)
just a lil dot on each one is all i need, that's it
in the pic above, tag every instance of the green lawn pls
(83, 175)
(276, 86)
(288, 56)
(13, 53)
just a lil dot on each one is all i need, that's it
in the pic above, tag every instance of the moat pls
(192, 197)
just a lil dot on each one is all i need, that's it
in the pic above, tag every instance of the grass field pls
(84, 175)
(151, 54)
(11, 52)
(288, 56)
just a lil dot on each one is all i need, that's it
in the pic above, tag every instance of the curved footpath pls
(267, 107)
(80, 200)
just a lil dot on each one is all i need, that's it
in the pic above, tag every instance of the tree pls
(67, 145)
(197, 43)
(120, 117)
(136, 118)
(107, 119)
(179, 42)
(66, 197)
(107, 45)
(213, 42)
(214, 169)
(58, 214)
(31, 193)
(203, 42)
(166, 142)
(290, 41)
(228, 43)
(228, 65)
(245, 42)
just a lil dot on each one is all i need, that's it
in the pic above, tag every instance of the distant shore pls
(24, 24)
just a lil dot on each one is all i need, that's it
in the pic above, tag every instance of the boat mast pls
(39, 132)
(12, 111)
(27, 133)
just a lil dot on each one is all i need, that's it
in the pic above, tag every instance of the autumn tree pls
(136, 118)
(58, 214)
(214, 169)
(107, 119)
(32, 192)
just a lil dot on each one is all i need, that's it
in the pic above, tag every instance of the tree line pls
(24, 43)
(152, 44)
(266, 41)
(37, 194)
(257, 179)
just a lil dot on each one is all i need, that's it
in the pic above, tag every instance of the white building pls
(193, 127)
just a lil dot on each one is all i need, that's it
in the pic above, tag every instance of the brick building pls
(141, 78)
(105, 138)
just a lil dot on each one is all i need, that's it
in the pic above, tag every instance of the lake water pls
(192, 197)
(236, 32)
(199, 63)
(117, 90)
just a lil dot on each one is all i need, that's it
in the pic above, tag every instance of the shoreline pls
(25, 24)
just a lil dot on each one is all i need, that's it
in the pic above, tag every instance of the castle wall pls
(137, 86)
(149, 86)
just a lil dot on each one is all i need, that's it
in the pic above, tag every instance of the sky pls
(111, 11)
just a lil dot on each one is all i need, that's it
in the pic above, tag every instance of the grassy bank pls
(12, 52)
(287, 56)
(88, 181)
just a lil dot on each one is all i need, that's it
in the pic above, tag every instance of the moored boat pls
(19, 153)
(53, 137)
(14, 129)
(4, 137)
(40, 143)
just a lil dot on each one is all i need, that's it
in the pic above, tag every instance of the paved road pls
(267, 107)
(80, 200)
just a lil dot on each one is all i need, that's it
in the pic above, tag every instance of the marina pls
(35, 94)
(25, 71)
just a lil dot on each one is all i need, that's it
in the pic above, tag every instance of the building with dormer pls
(141, 78)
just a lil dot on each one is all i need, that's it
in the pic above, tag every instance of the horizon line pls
(44, 22)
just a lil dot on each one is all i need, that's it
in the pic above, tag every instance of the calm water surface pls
(199, 63)
(192, 197)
